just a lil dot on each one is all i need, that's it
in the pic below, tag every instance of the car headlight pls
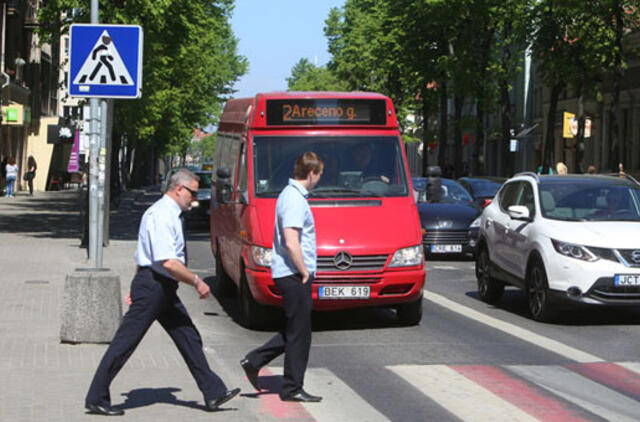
(574, 251)
(261, 256)
(475, 223)
(407, 257)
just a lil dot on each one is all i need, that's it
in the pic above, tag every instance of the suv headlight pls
(574, 251)
(261, 256)
(475, 223)
(407, 257)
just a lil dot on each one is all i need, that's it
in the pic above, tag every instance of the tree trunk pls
(617, 78)
(476, 169)
(425, 131)
(504, 161)
(548, 147)
(457, 137)
(579, 167)
(442, 138)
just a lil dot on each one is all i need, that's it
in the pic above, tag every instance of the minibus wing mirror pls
(223, 185)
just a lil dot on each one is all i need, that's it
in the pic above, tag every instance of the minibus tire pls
(252, 315)
(224, 285)
(410, 314)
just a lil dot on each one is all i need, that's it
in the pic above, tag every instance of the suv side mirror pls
(519, 212)
(223, 185)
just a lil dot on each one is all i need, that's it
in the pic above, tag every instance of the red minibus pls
(368, 232)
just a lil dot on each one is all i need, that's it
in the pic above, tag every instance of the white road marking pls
(459, 395)
(511, 329)
(631, 366)
(581, 391)
(443, 267)
(339, 402)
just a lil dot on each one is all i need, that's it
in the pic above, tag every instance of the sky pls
(273, 35)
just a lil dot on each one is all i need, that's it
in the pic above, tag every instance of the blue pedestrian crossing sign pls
(105, 61)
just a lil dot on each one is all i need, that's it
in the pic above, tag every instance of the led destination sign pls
(325, 112)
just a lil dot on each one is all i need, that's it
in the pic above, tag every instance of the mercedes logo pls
(635, 256)
(343, 260)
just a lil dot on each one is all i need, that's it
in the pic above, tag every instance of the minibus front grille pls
(358, 263)
(326, 279)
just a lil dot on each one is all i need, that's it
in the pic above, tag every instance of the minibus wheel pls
(410, 314)
(224, 285)
(252, 315)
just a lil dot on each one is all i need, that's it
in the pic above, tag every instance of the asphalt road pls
(466, 361)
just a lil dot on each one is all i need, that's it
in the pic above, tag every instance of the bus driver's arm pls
(292, 240)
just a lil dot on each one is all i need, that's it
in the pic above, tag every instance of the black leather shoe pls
(251, 372)
(301, 396)
(214, 404)
(97, 409)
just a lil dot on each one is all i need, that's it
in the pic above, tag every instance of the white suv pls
(571, 238)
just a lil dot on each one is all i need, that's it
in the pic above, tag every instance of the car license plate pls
(344, 292)
(627, 280)
(446, 248)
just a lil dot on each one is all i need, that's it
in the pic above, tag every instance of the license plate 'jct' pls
(627, 280)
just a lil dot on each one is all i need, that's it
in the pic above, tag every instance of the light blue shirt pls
(292, 210)
(160, 236)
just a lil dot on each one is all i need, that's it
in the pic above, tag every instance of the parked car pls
(200, 209)
(570, 239)
(482, 188)
(450, 226)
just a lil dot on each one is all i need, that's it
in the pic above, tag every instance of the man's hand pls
(305, 277)
(203, 289)
(127, 299)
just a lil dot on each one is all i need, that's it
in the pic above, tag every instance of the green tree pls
(190, 64)
(305, 76)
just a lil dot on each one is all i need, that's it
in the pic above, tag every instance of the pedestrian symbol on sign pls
(103, 66)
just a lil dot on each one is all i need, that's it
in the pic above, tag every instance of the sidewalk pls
(44, 380)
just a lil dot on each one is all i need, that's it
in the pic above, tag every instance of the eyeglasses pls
(194, 193)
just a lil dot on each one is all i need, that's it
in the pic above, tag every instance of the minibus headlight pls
(261, 256)
(476, 222)
(407, 257)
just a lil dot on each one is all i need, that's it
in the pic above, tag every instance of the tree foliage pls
(190, 64)
(305, 76)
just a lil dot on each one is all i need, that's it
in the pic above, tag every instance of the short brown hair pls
(306, 163)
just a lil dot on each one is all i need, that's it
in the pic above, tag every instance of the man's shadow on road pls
(142, 397)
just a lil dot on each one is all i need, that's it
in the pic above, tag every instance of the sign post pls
(105, 62)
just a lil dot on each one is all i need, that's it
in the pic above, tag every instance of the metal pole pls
(102, 159)
(93, 166)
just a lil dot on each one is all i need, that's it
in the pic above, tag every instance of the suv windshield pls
(353, 166)
(599, 200)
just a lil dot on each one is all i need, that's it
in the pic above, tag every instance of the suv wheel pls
(489, 289)
(538, 293)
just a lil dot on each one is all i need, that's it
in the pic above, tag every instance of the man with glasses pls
(161, 266)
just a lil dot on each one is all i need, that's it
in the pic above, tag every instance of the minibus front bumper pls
(348, 290)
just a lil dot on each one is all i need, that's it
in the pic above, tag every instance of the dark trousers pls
(154, 298)
(295, 340)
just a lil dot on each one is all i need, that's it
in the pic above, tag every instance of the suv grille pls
(358, 263)
(629, 254)
(442, 237)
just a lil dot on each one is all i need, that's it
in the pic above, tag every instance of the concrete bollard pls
(92, 306)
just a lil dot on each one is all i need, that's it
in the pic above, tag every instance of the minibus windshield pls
(354, 166)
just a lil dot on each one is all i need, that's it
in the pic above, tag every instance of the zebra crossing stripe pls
(581, 391)
(458, 394)
(272, 406)
(511, 329)
(631, 366)
(612, 375)
(339, 402)
(536, 402)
